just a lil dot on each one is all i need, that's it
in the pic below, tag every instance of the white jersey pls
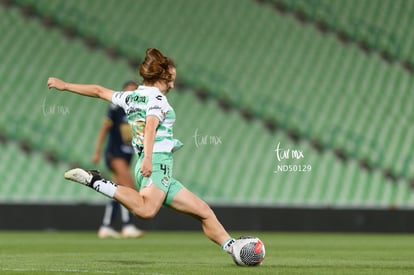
(138, 105)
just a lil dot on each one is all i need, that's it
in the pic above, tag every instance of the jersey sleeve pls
(121, 99)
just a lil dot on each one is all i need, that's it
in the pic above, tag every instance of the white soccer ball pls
(248, 251)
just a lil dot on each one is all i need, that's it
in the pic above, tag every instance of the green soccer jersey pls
(138, 105)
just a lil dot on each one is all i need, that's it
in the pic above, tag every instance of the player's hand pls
(146, 167)
(56, 83)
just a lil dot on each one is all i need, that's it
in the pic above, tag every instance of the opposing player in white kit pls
(151, 118)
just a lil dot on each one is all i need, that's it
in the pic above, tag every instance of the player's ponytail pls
(156, 66)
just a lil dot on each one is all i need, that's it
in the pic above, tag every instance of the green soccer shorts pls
(162, 164)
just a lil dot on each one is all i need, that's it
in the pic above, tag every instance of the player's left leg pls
(187, 202)
(145, 203)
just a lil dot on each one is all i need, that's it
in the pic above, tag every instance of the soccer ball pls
(248, 251)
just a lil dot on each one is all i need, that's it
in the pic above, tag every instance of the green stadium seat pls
(279, 69)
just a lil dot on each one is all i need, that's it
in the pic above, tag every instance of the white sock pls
(227, 245)
(105, 187)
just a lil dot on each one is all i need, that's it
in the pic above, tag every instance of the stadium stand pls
(383, 28)
(263, 64)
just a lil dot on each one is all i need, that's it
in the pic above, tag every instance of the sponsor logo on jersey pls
(133, 111)
(165, 181)
(155, 107)
(135, 99)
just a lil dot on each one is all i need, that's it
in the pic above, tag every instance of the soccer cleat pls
(130, 231)
(82, 176)
(107, 232)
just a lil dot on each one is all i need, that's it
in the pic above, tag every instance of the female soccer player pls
(118, 155)
(151, 118)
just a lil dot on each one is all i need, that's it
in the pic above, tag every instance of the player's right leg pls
(144, 204)
(187, 202)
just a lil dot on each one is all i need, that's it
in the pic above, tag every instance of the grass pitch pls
(163, 253)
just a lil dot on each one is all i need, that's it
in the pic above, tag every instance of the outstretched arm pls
(90, 90)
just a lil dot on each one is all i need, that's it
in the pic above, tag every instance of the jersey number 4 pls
(165, 168)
